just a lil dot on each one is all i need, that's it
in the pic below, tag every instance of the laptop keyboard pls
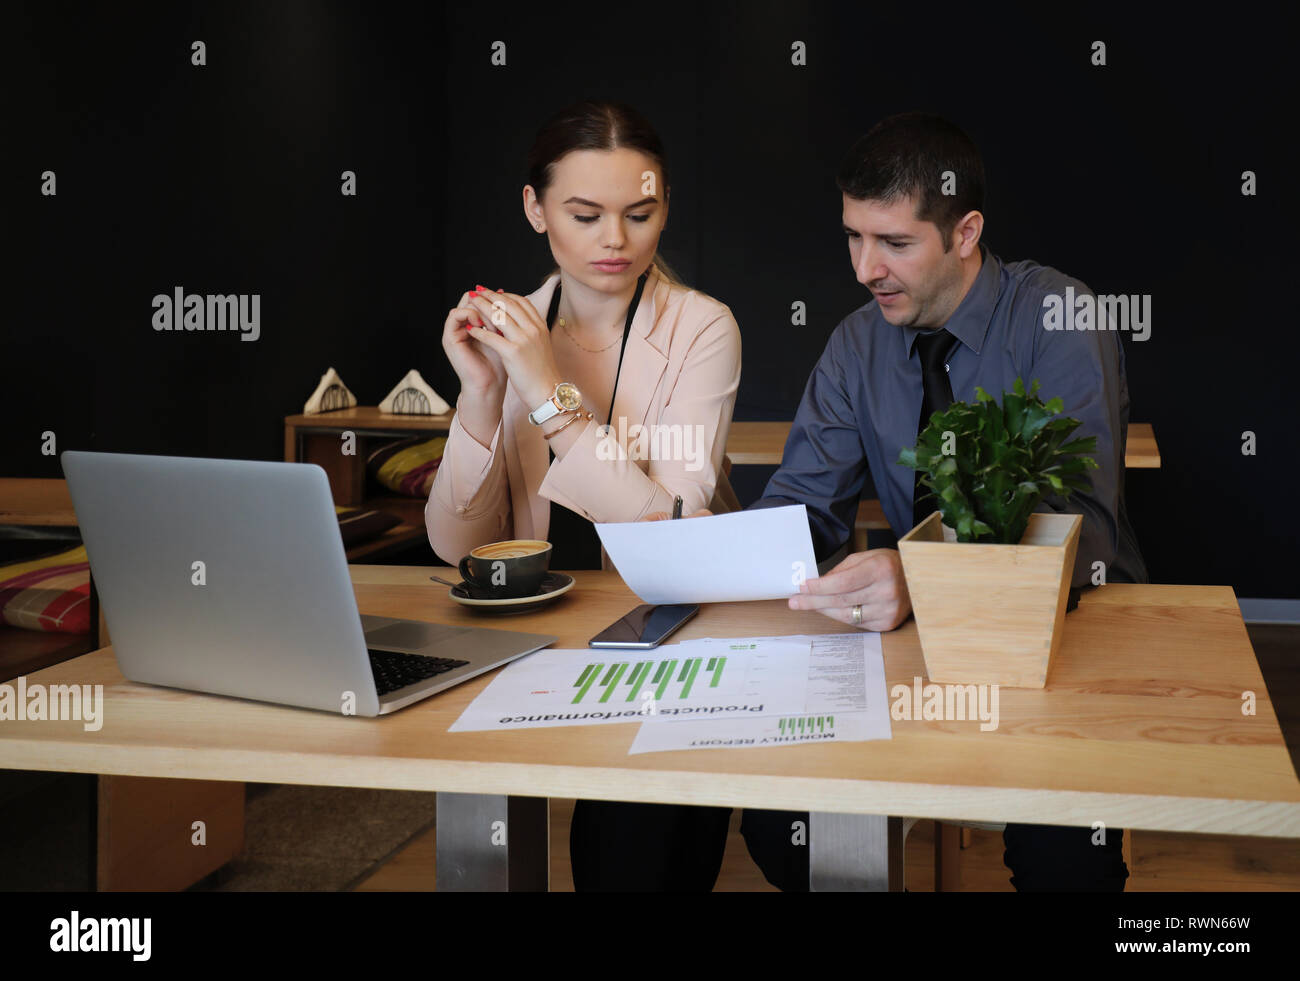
(393, 670)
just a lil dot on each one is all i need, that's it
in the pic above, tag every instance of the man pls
(938, 292)
(947, 316)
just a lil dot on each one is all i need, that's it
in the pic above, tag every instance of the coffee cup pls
(507, 570)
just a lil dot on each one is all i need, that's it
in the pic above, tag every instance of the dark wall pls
(226, 178)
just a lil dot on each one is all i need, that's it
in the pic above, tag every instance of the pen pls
(677, 506)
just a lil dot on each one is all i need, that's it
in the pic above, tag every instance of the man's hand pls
(873, 579)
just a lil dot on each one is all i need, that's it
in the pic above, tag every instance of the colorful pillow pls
(47, 593)
(404, 466)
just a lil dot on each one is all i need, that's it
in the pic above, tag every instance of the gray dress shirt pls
(862, 402)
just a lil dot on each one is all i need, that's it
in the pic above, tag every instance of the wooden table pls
(1141, 726)
(36, 503)
(315, 439)
(763, 442)
(758, 443)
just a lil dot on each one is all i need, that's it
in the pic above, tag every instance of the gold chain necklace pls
(589, 350)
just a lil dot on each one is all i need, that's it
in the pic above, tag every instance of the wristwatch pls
(565, 398)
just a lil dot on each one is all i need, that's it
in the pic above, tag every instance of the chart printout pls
(845, 701)
(720, 679)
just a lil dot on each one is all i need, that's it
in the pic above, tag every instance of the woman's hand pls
(521, 340)
(482, 375)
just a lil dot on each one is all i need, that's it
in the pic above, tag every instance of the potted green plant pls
(988, 577)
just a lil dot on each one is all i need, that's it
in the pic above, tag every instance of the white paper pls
(845, 701)
(747, 676)
(761, 554)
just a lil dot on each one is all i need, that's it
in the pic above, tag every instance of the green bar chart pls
(601, 680)
(805, 725)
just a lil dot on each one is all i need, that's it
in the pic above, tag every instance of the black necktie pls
(936, 394)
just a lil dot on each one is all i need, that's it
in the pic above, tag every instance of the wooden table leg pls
(157, 834)
(947, 857)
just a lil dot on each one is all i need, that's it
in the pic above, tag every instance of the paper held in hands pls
(747, 555)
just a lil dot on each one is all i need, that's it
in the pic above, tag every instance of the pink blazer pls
(681, 369)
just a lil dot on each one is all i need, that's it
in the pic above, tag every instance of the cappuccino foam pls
(509, 550)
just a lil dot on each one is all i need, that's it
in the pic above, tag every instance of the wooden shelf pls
(41, 503)
(409, 509)
(368, 417)
(315, 439)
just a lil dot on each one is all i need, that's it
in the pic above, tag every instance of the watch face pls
(567, 394)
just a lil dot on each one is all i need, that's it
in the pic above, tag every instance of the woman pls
(611, 337)
(526, 457)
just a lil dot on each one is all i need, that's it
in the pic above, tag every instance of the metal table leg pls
(492, 843)
(855, 853)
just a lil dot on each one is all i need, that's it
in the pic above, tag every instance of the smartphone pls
(645, 627)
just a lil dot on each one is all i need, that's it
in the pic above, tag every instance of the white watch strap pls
(543, 412)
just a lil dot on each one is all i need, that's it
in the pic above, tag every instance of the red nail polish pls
(480, 287)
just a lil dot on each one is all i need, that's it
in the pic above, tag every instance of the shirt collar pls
(969, 323)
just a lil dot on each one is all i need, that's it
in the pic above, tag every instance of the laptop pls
(229, 577)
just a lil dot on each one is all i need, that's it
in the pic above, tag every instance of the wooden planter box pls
(990, 614)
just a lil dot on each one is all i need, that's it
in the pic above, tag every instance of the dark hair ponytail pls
(595, 124)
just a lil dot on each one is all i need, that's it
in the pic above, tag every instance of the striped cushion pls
(404, 466)
(48, 593)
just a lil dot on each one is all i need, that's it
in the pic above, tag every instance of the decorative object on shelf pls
(413, 396)
(49, 592)
(407, 466)
(330, 394)
(988, 577)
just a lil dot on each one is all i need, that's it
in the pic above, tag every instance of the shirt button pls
(945, 367)
(460, 509)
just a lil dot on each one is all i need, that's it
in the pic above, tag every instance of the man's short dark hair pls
(906, 156)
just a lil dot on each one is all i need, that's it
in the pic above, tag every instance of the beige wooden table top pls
(1141, 726)
(763, 442)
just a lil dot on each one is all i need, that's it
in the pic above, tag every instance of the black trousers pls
(622, 847)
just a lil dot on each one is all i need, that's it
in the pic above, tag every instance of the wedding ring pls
(857, 614)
